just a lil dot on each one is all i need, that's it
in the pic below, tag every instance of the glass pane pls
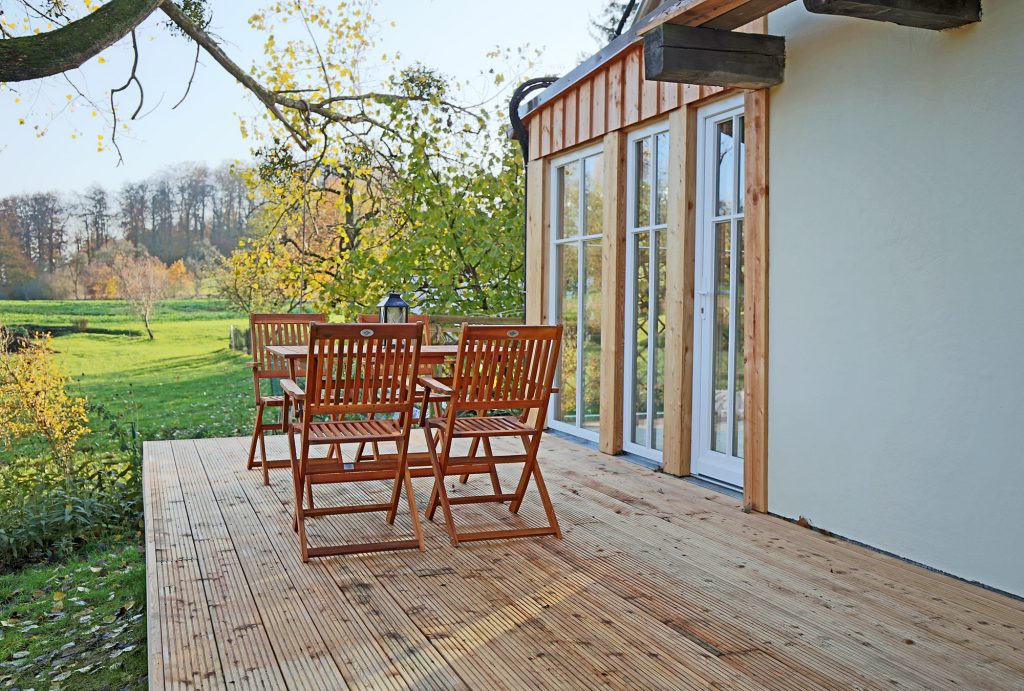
(720, 335)
(568, 280)
(591, 337)
(593, 186)
(741, 162)
(641, 322)
(737, 432)
(659, 343)
(661, 179)
(642, 217)
(569, 200)
(724, 162)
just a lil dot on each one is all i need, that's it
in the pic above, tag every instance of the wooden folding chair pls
(362, 379)
(273, 329)
(427, 370)
(498, 369)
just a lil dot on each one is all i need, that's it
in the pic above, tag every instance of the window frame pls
(654, 231)
(554, 289)
(717, 466)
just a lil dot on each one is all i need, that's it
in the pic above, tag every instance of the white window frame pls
(554, 293)
(715, 465)
(632, 170)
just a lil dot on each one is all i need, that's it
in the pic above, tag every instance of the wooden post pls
(680, 249)
(755, 324)
(613, 292)
(536, 242)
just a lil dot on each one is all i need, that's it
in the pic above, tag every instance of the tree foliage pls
(401, 187)
(51, 241)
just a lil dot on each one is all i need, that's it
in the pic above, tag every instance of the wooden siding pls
(658, 583)
(614, 97)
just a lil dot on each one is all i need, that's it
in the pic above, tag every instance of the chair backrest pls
(278, 329)
(505, 367)
(362, 368)
(413, 319)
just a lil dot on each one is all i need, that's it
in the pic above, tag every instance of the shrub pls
(34, 400)
(46, 513)
(56, 500)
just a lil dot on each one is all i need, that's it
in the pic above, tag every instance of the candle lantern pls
(393, 309)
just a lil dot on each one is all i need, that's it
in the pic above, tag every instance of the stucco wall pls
(896, 373)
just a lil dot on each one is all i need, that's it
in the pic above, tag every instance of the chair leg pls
(413, 511)
(295, 478)
(300, 514)
(263, 453)
(439, 491)
(250, 464)
(524, 480)
(432, 501)
(495, 481)
(549, 510)
(396, 489)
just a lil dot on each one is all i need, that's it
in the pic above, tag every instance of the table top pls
(302, 350)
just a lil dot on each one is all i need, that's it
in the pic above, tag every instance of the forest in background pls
(59, 244)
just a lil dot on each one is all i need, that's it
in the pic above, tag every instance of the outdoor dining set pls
(365, 385)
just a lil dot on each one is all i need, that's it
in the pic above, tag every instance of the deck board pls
(658, 583)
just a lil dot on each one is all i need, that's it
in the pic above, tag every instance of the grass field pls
(79, 623)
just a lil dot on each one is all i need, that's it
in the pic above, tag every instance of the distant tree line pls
(190, 214)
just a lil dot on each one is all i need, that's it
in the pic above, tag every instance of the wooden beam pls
(714, 57)
(613, 293)
(719, 14)
(923, 14)
(744, 14)
(681, 262)
(755, 301)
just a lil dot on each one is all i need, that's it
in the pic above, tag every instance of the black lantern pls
(393, 309)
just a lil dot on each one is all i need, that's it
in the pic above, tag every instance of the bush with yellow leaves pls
(35, 402)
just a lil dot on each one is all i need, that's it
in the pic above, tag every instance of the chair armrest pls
(554, 389)
(435, 386)
(292, 390)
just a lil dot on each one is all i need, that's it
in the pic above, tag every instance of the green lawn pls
(184, 384)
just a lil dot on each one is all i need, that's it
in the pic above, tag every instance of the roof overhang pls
(717, 14)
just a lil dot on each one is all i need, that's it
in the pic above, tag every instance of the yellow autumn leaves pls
(35, 402)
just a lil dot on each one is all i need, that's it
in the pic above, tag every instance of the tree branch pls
(63, 49)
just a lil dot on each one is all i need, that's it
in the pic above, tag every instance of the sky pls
(453, 36)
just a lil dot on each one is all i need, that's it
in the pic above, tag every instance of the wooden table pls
(429, 354)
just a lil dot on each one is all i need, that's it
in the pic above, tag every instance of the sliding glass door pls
(647, 220)
(577, 220)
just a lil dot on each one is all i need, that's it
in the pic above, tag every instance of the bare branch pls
(195, 64)
(132, 77)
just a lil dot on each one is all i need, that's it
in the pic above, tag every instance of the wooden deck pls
(657, 583)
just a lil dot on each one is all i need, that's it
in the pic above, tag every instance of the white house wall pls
(896, 395)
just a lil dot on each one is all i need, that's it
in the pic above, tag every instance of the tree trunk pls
(145, 319)
(63, 49)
